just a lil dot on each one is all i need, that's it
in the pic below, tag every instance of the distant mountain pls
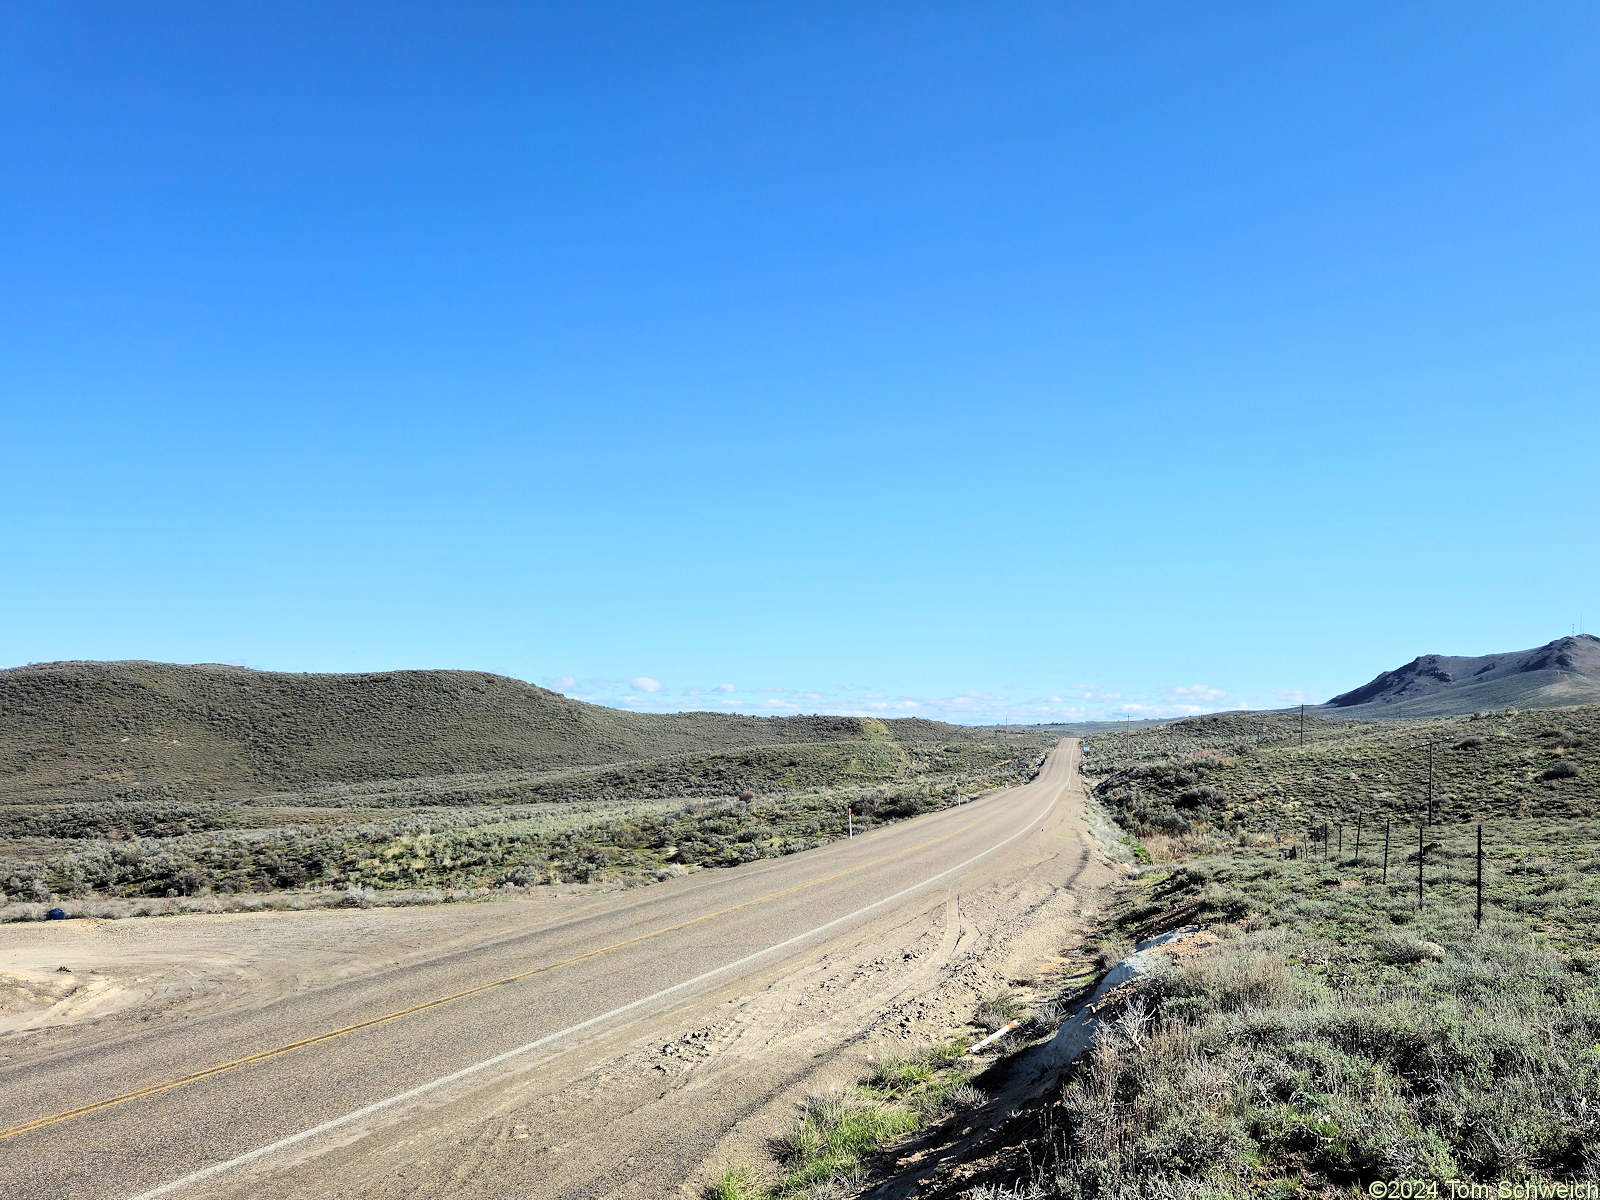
(83, 730)
(1566, 671)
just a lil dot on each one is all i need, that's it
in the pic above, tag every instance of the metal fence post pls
(1480, 874)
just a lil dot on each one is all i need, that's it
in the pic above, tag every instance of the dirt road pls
(611, 1045)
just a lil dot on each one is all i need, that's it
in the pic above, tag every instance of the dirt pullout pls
(91, 979)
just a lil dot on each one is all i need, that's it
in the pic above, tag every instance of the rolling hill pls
(85, 729)
(136, 779)
(1565, 671)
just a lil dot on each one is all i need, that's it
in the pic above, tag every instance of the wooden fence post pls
(1420, 827)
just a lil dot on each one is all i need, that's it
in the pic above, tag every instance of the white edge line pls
(446, 1080)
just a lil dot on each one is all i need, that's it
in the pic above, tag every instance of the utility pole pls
(1358, 840)
(1430, 783)
(1302, 724)
(1386, 850)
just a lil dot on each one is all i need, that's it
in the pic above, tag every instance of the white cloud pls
(1009, 705)
(1291, 695)
(562, 683)
(1199, 693)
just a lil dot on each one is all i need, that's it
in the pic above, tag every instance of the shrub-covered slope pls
(1350, 1029)
(89, 730)
(150, 780)
(1251, 772)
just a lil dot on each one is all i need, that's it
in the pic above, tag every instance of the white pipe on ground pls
(995, 1036)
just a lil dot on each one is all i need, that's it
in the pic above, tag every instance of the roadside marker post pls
(851, 820)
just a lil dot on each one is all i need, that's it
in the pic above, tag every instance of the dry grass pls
(1341, 1033)
(833, 1145)
(1194, 786)
(621, 825)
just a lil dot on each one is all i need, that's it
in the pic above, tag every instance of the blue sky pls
(1003, 361)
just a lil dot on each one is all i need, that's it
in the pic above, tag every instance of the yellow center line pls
(262, 1055)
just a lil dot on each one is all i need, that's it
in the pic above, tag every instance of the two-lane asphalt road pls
(409, 1081)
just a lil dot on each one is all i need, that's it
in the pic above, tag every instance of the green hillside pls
(93, 730)
(150, 779)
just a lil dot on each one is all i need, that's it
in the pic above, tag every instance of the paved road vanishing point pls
(610, 1044)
